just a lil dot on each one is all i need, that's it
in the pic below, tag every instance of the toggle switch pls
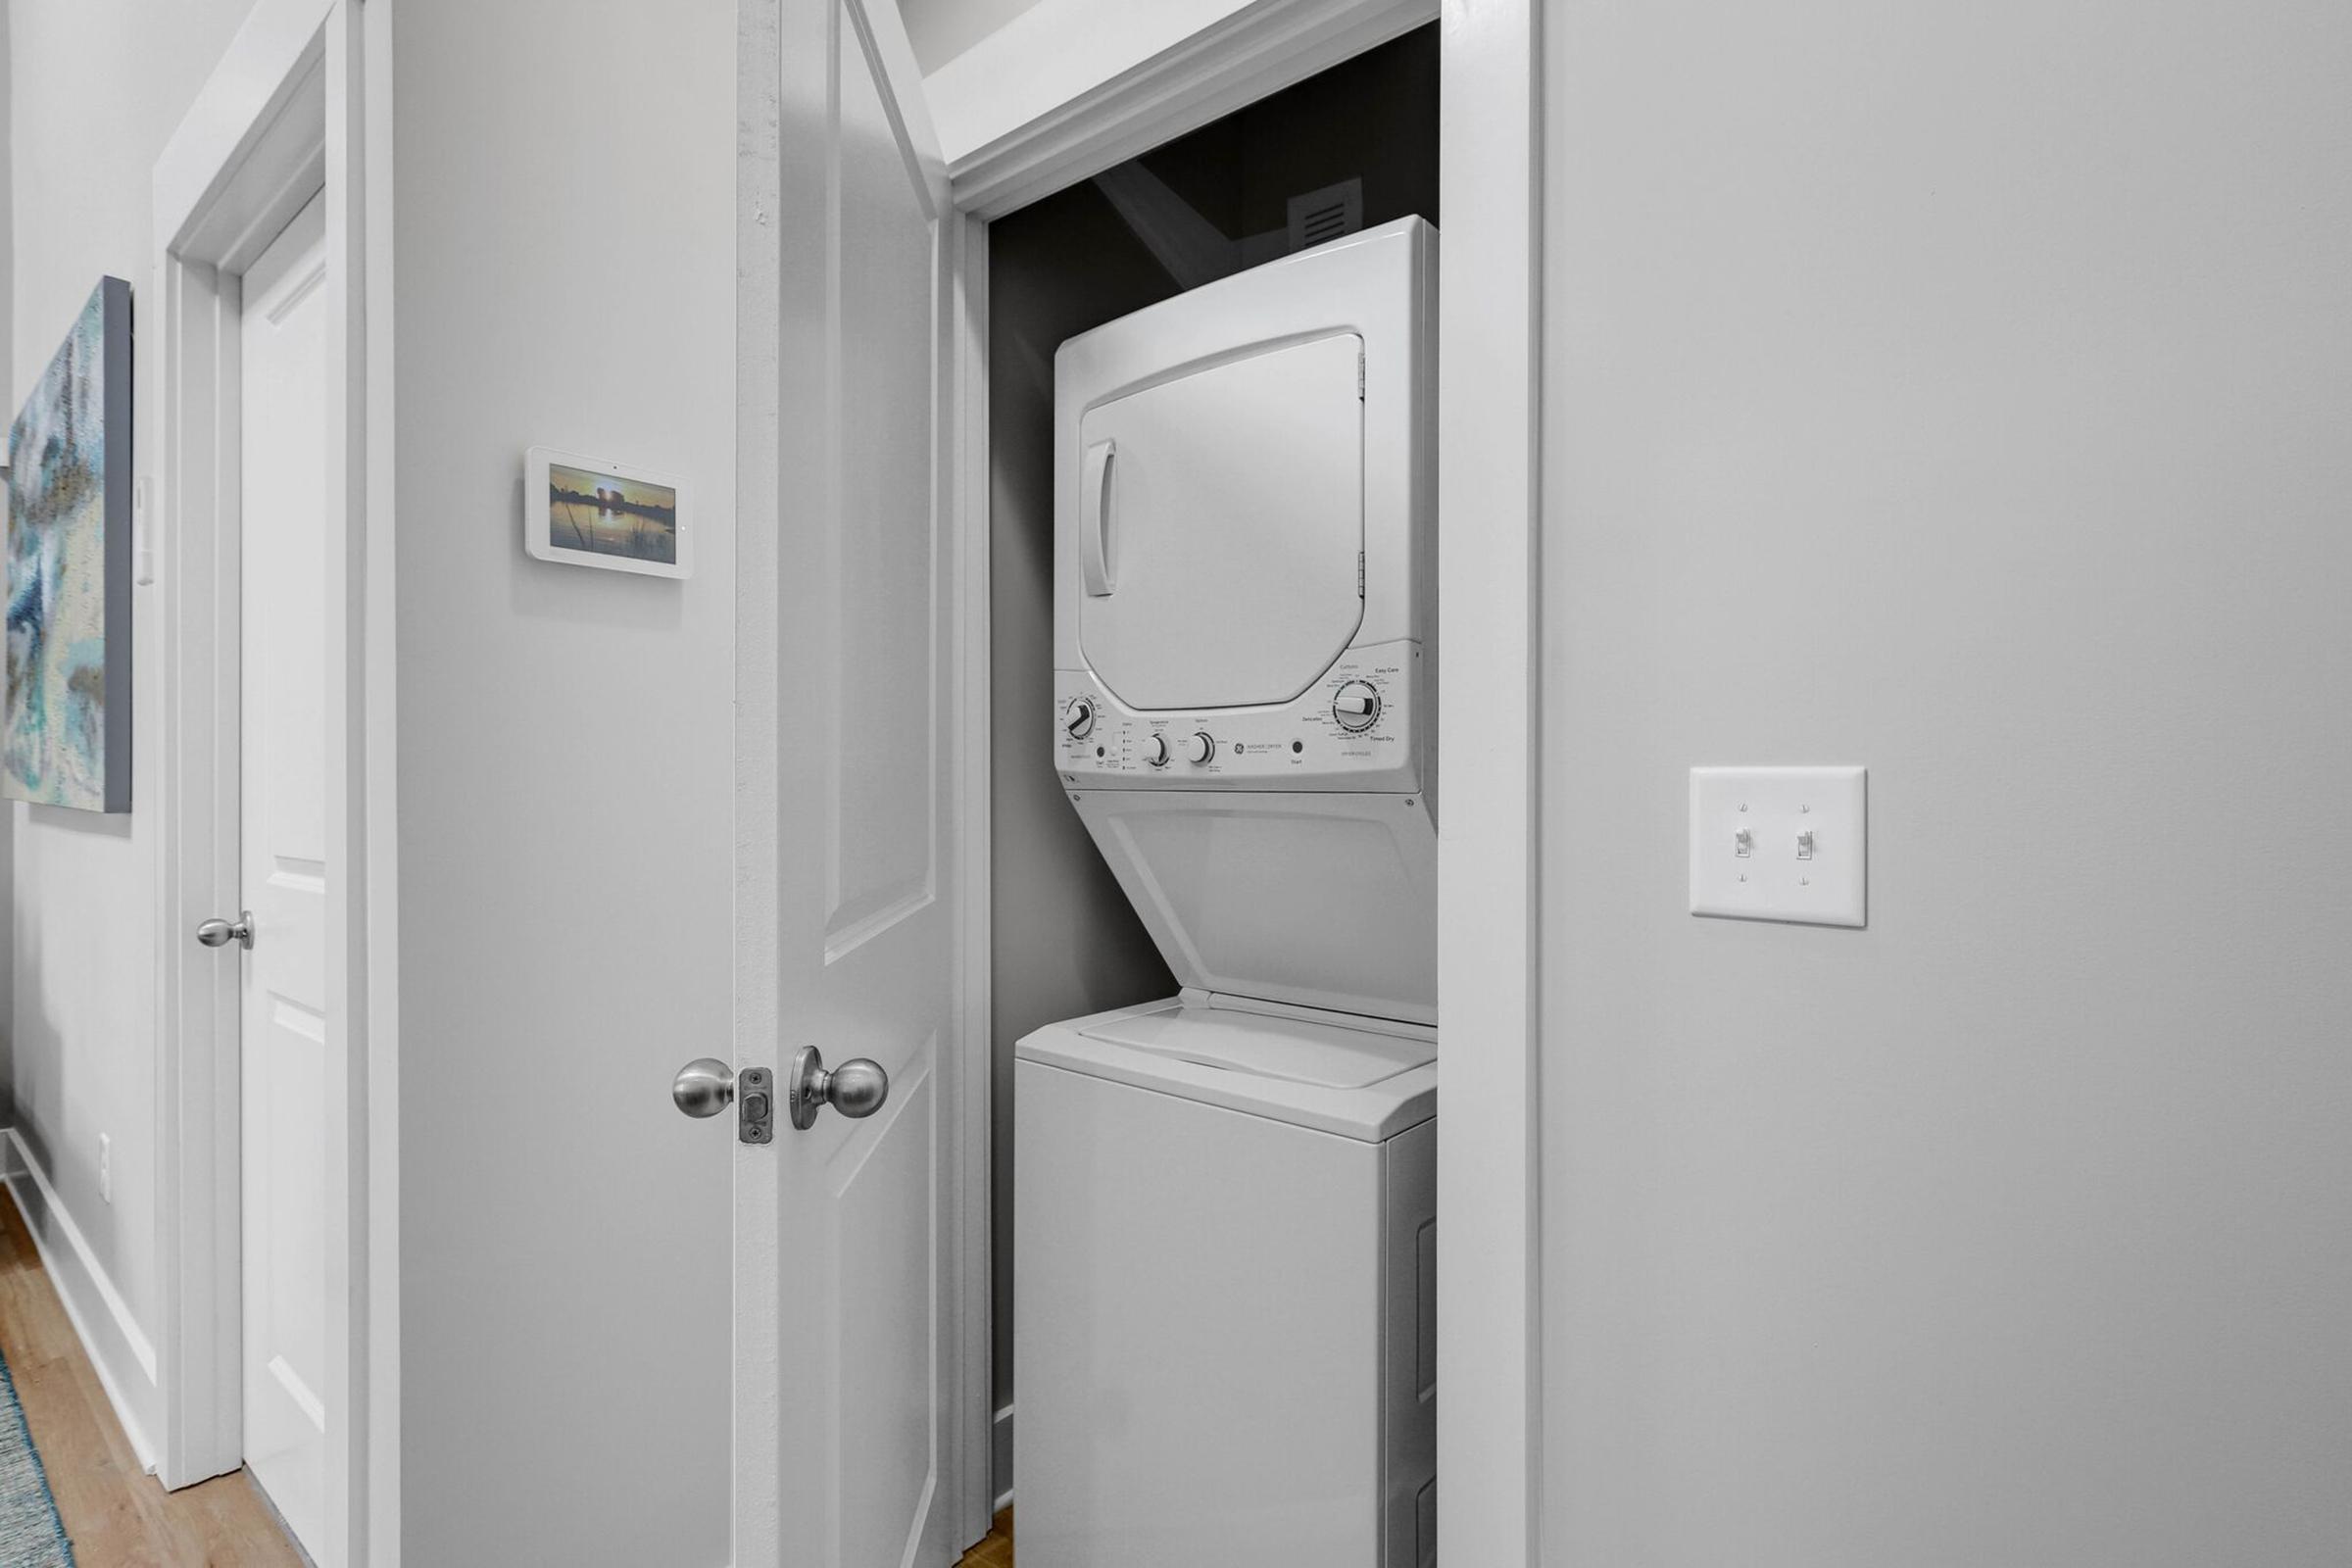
(1821, 813)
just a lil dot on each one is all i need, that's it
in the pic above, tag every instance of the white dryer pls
(1225, 1202)
(1243, 621)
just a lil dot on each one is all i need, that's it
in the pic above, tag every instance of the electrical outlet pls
(106, 1168)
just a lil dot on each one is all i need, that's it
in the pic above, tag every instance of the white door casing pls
(284, 1086)
(281, 114)
(1490, 399)
(844, 1321)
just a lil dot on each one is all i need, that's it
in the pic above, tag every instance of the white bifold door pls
(845, 889)
(283, 1083)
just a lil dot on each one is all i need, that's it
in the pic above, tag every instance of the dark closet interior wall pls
(1065, 940)
(1374, 117)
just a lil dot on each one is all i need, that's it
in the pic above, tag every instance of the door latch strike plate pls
(756, 1106)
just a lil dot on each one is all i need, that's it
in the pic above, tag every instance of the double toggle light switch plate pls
(1779, 843)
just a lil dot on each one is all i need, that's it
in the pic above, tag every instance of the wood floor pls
(114, 1512)
(996, 1549)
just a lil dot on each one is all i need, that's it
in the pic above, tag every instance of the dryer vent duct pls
(1328, 214)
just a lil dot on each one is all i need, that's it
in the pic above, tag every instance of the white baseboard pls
(118, 1348)
(1000, 1457)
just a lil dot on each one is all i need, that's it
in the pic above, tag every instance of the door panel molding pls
(881, 533)
(849, 930)
(878, 1162)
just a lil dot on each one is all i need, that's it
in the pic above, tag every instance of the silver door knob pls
(704, 1087)
(856, 1089)
(220, 933)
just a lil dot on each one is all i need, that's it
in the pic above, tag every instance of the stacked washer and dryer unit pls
(1225, 1204)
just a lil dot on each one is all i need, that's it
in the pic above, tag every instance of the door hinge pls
(1359, 375)
(1360, 574)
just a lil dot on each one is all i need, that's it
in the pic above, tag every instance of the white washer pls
(1224, 1229)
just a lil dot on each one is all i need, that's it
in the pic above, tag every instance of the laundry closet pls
(1215, 790)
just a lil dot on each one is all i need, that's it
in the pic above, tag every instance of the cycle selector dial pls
(1155, 750)
(1078, 719)
(1356, 706)
(1201, 749)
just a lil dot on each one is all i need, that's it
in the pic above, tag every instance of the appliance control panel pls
(1359, 726)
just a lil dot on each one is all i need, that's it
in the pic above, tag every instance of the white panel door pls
(845, 907)
(283, 1079)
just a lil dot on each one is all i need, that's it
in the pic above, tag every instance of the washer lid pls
(1367, 1084)
(1222, 526)
(1293, 1050)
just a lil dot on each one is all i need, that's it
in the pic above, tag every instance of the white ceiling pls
(942, 29)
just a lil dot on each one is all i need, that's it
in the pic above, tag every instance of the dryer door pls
(1221, 527)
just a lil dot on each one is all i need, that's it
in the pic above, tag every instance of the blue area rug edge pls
(40, 1471)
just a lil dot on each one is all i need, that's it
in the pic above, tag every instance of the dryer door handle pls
(1094, 519)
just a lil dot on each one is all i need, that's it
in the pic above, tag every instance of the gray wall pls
(564, 273)
(1966, 391)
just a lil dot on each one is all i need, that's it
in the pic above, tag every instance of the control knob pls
(1201, 748)
(1155, 750)
(1078, 719)
(1356, 706)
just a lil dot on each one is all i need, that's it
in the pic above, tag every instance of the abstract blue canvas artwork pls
(66, 734)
